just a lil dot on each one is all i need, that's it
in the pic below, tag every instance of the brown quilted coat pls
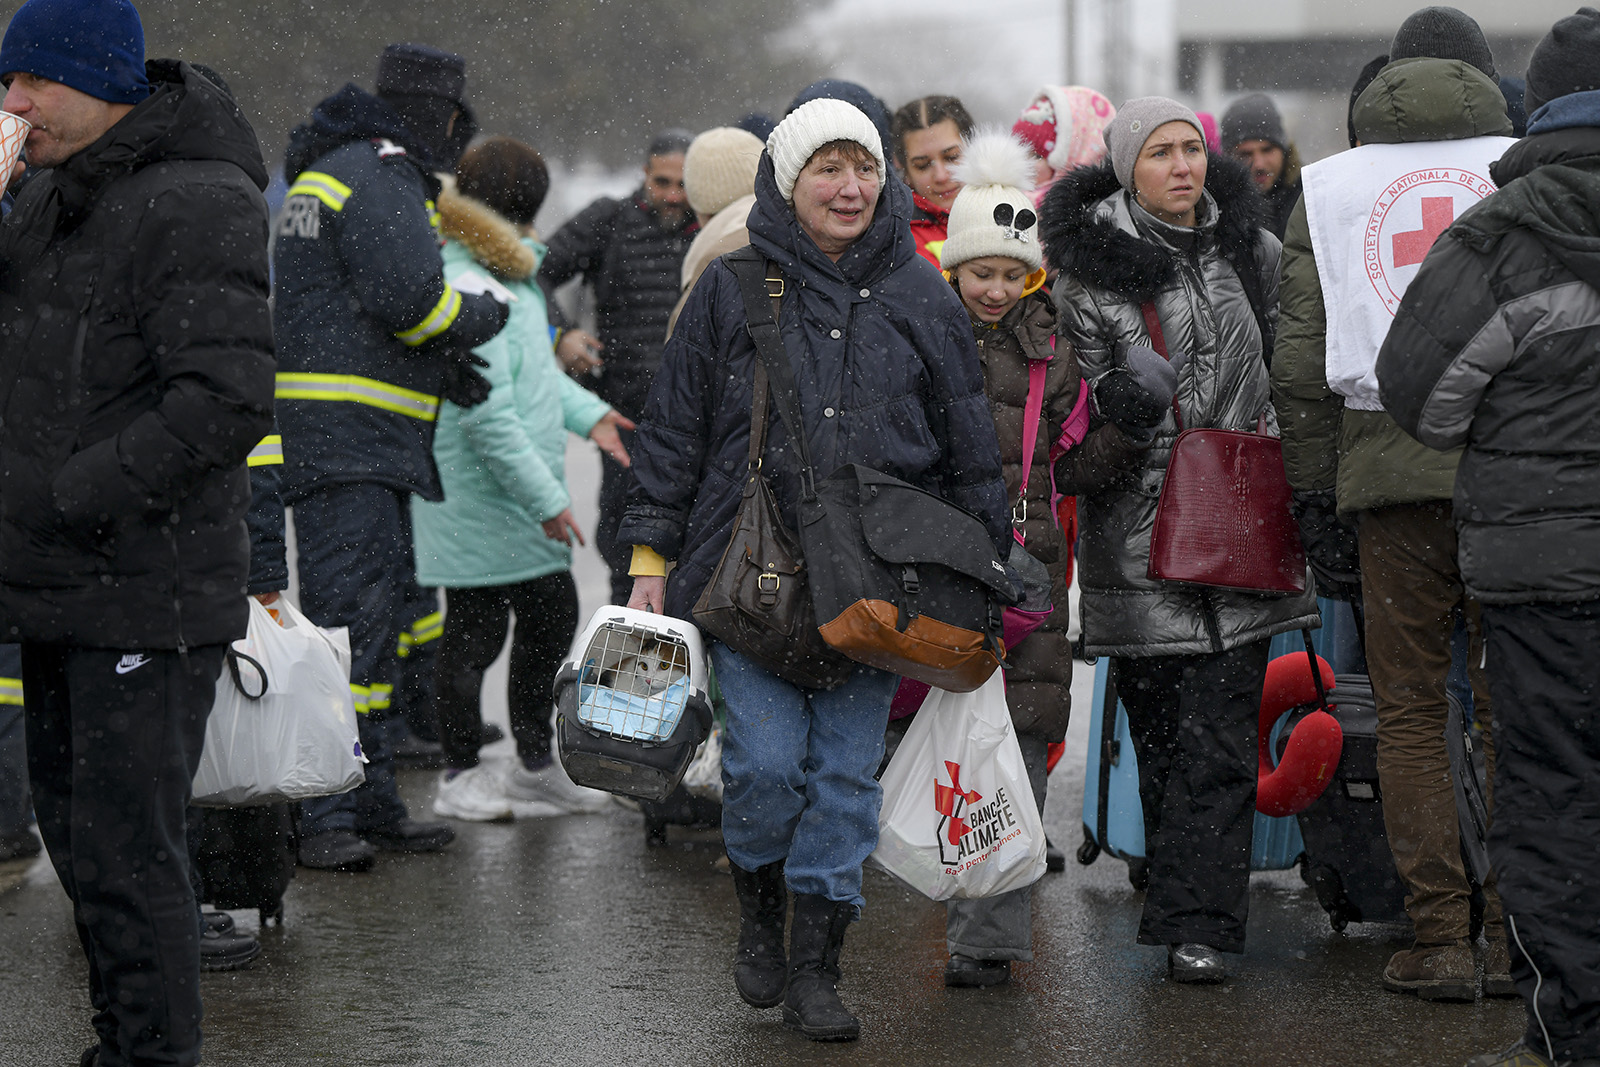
(1039, 680)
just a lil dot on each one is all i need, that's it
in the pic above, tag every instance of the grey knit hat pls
(1135, 122)
(1442, 33)
(1253, 118)
(1567, 60)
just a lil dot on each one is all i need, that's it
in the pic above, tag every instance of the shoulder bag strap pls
(762, 285)
(1158, 341)
(1037, 370)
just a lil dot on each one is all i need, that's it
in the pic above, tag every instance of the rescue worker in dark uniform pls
(370, 337)
(630, 252)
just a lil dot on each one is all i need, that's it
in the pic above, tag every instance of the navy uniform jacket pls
(365, 323)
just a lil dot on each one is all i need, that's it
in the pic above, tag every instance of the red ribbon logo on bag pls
(969, 830)
(951, 802)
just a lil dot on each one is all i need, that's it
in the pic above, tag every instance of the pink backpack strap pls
(1037, 370)
(1076, 427)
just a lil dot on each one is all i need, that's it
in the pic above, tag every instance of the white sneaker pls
(477, 794)
(548, 791)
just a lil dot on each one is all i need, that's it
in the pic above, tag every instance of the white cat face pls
(657, 665)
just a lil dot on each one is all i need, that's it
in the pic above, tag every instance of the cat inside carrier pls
(631, 703)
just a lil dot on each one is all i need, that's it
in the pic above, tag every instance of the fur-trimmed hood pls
(493, 240)
(1081, 236)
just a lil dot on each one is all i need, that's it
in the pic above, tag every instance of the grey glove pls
(1135, 394)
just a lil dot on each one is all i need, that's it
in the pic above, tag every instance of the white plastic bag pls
(959, 819)
(289, 735)
(704, 776)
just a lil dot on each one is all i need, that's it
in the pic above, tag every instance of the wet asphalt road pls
(567, 941)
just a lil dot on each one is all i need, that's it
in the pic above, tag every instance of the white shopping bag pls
(283, 726)
(958, 815)
(704, 776)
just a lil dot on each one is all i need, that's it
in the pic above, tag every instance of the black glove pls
(462, 384)
(1331, 546)
(1135, 395)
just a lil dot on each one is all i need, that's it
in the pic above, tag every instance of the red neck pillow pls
(1313, 749)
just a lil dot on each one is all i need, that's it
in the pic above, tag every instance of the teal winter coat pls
(502, 463)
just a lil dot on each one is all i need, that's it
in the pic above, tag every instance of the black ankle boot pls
(759, 969)
(811, 1003)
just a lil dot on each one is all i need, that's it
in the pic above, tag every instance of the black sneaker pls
(336, 850)
(222, 947)
(408, 835)
(964, 972)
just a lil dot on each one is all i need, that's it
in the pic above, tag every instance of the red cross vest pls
(1374, 213)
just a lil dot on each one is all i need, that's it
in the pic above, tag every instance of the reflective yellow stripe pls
(378, 697)
(437, 321)
(357, 390)
(361, 694)
(268, 451)
(427, 628)
(324, 187)
(434, 218)
(11, 691)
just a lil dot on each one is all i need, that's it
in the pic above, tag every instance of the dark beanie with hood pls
(1443, 33)
(427, 88)
(1566, 61)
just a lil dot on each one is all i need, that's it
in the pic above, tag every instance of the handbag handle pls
(761, 285)
(232, 657)
(1158, 341)
(1316, 675)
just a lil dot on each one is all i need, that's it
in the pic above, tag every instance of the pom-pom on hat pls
(719, 168)
(993, 215)
(812, 125)
(93, 46)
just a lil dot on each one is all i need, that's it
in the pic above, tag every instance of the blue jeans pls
(797, 774)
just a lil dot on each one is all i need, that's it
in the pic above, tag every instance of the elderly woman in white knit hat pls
(1162, 247)
(887, 376)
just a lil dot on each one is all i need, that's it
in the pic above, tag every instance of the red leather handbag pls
(1223, 519)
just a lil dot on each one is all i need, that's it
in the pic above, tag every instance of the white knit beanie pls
(719, 168)
(993, 215)
(812, 125)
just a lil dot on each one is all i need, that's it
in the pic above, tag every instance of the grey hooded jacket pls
(1114, 256)
(1493, 347)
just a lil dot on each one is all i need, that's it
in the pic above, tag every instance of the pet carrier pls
(631, 703)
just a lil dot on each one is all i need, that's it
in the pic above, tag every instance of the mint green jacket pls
(502, 463)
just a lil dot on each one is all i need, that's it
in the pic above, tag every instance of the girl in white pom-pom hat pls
(1036, 395)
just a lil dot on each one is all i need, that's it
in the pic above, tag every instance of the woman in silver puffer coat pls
(1162, 223)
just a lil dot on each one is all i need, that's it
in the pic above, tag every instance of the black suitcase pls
(247, 858)
(1348, 862)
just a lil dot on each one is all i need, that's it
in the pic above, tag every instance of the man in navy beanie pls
(138, 352)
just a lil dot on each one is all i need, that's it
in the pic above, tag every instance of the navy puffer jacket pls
(890, 378)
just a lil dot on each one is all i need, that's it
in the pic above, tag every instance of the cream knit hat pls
(719, 168)
(809, 127)
(993, 215)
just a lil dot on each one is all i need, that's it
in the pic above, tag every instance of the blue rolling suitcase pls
(1113, 820)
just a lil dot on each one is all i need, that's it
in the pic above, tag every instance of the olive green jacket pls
(1363, 455)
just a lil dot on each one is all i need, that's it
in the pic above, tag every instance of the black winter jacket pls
(890, 379)
(634, 266)
(366, 324)
(138, 353)
(1494, 347)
